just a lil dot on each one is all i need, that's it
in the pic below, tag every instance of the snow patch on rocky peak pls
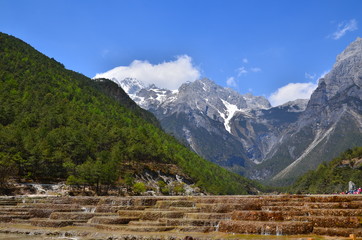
(130, 85)
(231, 109)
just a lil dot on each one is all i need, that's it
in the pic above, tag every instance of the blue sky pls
(252, 46)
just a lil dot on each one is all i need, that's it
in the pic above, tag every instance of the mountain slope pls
(112, 89)
(56, 123)
(332, 177)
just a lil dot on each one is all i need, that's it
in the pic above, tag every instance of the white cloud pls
(169, 75)
(245, 60)
(292, 91)
(255, 69)
(310, 76)
(343, 28)
(241, 71)
(231, 82)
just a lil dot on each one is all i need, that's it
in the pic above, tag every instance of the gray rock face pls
(346, 71)
(261, 130)
(345, 77)
(298, 105)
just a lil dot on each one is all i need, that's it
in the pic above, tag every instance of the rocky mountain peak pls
(256, 102)
(298, 105)
(345, 74)
(209, 91)
(348, 65)
(355, 48)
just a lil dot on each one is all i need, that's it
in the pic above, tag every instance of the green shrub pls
(178, 188)
(72, 180)
(164, 189)
(139, 188)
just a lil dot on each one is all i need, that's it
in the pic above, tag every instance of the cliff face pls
(332, 121)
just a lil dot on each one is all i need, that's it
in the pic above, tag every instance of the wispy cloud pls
(241, 71)
(255, 69)
(343, 28)
(324, 74)
(310, 76)
(231, 82)
(168, 75)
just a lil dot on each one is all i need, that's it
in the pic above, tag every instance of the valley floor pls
(182, 217)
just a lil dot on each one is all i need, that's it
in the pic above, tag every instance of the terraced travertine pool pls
(199, 217)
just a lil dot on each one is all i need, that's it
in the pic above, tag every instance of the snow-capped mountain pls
(245, 134)
(202, 114)
(204, 95)
(233, 130)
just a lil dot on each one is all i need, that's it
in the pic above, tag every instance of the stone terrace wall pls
(201, 216)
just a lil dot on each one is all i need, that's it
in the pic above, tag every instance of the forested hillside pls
(333, 177)
(56, 124)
